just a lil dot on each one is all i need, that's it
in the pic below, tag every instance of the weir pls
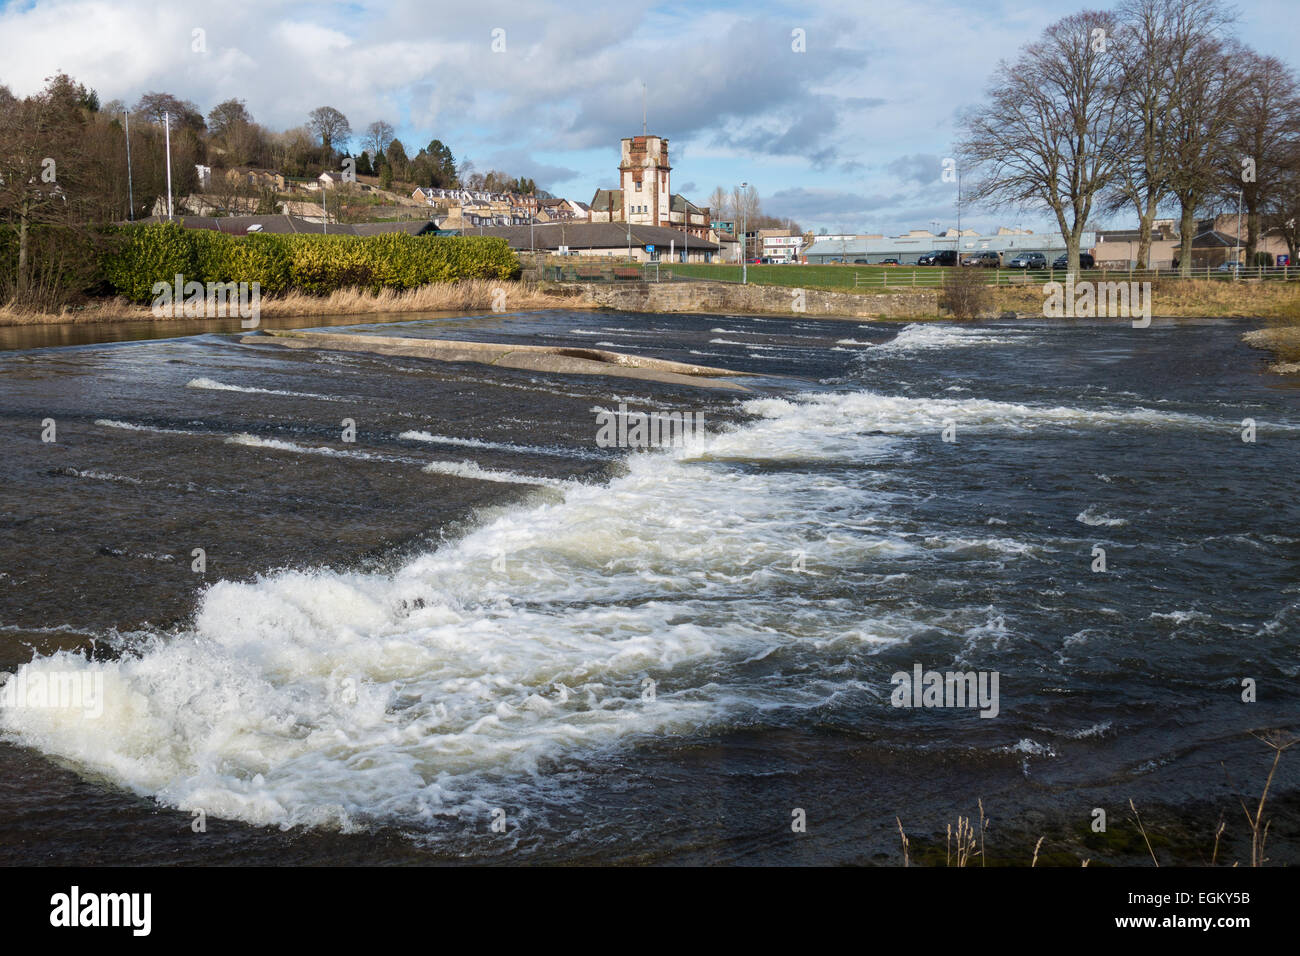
(539, 358)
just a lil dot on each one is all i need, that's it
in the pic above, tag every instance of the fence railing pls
(929, 277)
(921, 277)
(600, 273)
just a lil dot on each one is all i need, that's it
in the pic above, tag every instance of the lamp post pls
(958, 216)
(744, 243)
(1236, 251)
(167, 127)
(130, 189)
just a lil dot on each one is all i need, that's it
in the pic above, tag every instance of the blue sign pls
(649, 248)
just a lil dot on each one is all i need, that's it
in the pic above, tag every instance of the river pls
(472, 634)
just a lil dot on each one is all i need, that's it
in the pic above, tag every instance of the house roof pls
(678, 203)
(607, 199)
(592, 235)
(1213, 238)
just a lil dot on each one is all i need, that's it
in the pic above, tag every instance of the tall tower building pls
(644, 180)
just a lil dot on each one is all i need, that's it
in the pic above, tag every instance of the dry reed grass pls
(963, 836)
(477, 295)
(1189, 298)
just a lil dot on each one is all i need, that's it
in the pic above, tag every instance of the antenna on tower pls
(644, 129)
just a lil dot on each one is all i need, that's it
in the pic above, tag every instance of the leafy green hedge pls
(315, 264)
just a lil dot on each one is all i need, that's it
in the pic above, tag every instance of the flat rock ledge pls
(537, 358)
(1282, 341)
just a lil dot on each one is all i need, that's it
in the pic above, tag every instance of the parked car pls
(887, 262)
(940, 257)
(1229, 267)
(1086, 261)
(988, 259)
(1028, 260)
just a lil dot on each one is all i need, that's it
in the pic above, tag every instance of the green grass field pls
(837, 278)
(875, 279)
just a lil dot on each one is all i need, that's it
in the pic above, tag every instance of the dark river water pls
(472, 634)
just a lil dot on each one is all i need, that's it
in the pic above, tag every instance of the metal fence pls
(898, 278)
(917, 278)
(580, 272)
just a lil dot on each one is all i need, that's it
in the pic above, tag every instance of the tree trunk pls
(22, 252)
(1186, 232)
(1252, 235)
(1072, 253)
(1147, 216)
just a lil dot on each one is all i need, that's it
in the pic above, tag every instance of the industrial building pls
(906, 249)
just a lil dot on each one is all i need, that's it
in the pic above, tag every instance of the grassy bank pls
(868, 279)
(1283, 340)
(473, 295)
(1209, 298)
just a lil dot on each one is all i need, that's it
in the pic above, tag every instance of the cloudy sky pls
(847, 134)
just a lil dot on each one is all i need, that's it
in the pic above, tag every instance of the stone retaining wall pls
(766, 299)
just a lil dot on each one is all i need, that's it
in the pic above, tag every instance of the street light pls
(1236, 251)
(744, 252)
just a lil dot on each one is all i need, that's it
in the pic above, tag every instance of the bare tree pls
(332, 127)
(183, 113)
(378, 135)
(1284, 214)
(1198, 124)
(1050, 133)
(719, 202)
(1158, 45)
(228, 114)
(1261, 136)
(43, 169)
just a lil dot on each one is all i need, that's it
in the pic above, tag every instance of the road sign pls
(649, 248)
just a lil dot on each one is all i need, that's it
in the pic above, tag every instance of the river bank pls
(1283, 341)
(468, 296)
(1278, 301)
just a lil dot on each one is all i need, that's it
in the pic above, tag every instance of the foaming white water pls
(935, 336)
(897, 414)
(132, 427)
(1091, 516)
(342, 699)
(493, 445)
(213, 385)
(278, 444)
(469, 469)
(100, 475)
